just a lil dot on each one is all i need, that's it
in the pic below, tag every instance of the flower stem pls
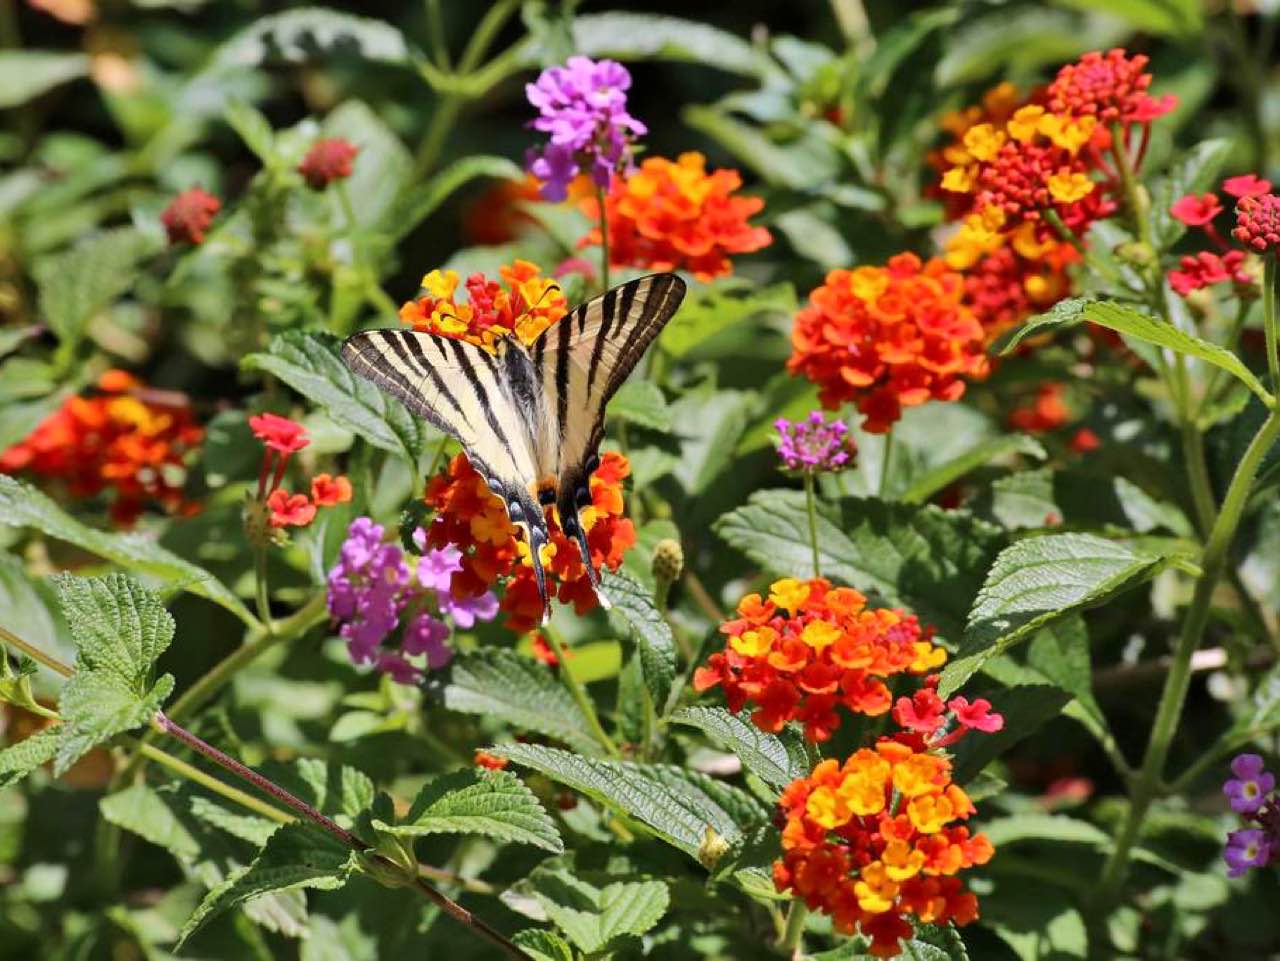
(604, 239)
(793, 934)
(886, 458)
(33, 652)
(579, 693)
(1269, 318)
(810, 503)
(261, 592)
(197, 776)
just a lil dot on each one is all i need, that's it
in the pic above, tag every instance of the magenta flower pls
(583, 107)
(367, 589)
(426, 636)
(1252, 783)
(813, 444)
(1246, 848)
(465, 611)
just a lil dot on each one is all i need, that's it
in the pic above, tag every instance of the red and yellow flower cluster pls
(524, 304)
(130, 440)
(474, 520)
(674, 215)
(808, 648)
(281, 439)
(1209, 267)
(875, 840)
(888, 337)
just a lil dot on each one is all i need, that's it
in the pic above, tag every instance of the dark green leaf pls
(641, 402)
(925, 486)
(775, 759)
(655, 644)
(25, 74)
(1024, 709)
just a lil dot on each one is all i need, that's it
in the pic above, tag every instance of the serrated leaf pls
(78, 283)
(25, 74)
(309, 363)
(21, 505)
(677, 804)
(930, 483)
(1193, 171)
(495, 804)
(120, 628)
(776, 760)
(19, 760)
(593, 917)
(655, 643)
(520, 691)
(641, 402)
(1038, 580)
(95, 707)
(247, 827)
(543, 945)
(142, 810)
(297, 856)
(924, 558)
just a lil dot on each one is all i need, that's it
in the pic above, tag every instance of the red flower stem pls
(1212, 233)
(329, 826)
(267, 456)
(1142, 147)
(279, 474)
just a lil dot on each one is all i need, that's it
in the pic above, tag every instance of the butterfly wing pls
(581, 361)
(473, 396)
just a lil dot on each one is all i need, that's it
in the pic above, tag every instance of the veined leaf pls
(19, 760)
(144, 811)
(21, 505)
(543, 945)
(297, 856)
(82, 281)
(304, 34)
(641, 402)
(1038, 580)
(776, 760)
(925, 486)
(924, 558)
(631, 36)
(677, 804)
(309, 363)
(650, 630)
(96, 706)
(25, 74)
(518, 690)
(593, 916)
(493, 803)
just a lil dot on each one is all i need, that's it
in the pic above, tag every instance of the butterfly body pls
(531, 419)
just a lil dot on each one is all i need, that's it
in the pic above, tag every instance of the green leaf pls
(677, 804)
(1038, 580)
(520, 691)
(253, 128)
(419, 201)
(924, 558)
(297, 856)
(493, 803)
(21, 505)
(655, 644)
(78, 283)
(1038, 827)
(594, 917)
(641, 402)
(925, 486)
(1019, 40)
(382, 174)
(142, 810)
(632, 36)
(309, 363)
(26, 612)
(19, 760)
(800, 164)
(306, 34)
(1170, 17)
(543, 945)
(710, 423)
(97, 706)
(25, 74)
(708, 312)
(1063, 314)
(1194, 171)
(775, 759)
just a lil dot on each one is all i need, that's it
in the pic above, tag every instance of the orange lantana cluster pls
(808, 648)
(874, 840)
(524, 304)
(128, 440)
(673, 215)
(888, 337)
(474, 520)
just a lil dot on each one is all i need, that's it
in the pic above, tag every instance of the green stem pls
(793, 934)
(1146, 784)
(439, 42)
(1198, 473)
(33, 652)
(886, 457)
(578, 692)
(810, 503)
(1269, 318)
(261, 593)
(604, 239)
(211, 783)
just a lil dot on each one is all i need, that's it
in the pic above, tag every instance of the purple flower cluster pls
(583, 107)
(374, 584)
(1249, 794)
(813, 444)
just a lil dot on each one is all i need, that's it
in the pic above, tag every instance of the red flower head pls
(1110, 86)
(673, 215)
(327, 491)
(278, 433)
(188, 216)
(1196, 211)
(1205, 268)
(977, 716)
(290, 510)
(888, 337)
(474, 520)
(327, 161)
(1258, 222)
(1246, 185)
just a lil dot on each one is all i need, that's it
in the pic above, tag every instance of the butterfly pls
(530, 418)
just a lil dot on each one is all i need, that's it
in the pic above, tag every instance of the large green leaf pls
(493, 803)
(634, 605)
(383, 171)
(633, 36)
(1024, 709)
(309, 363)
(144, 811)
(1038, 580)
(641, 402)
(309, 33)
(775, 759)
(520, 691)
(28, 73)
(21, 505)
(82, 281)
(924, 558)
(709, 424)
(708, 312)
(677, 804)
(19, 760)
(930, 483)
(593, 917)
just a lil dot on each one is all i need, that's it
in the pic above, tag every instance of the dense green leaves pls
(19, 760)
(655, 644)
(77, 284)
(776, 759)
(595, 917)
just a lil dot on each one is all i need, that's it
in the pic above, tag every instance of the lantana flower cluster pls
(876, 840)
(888, 337)
(1206, 268)
(375, 586)
(524, 304)
(814, 444)
(127, 440)
(807, 649)
(1251, 793)
(674, 215)
(281, 439)
(473, 520)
